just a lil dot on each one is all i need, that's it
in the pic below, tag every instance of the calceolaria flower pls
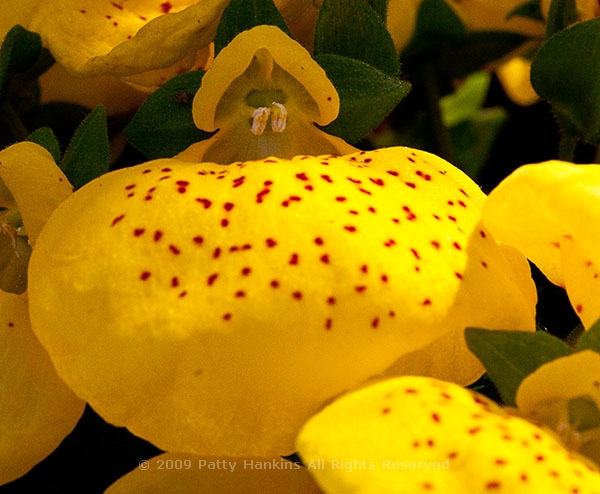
(37, 408)
(546, 211)
(119, 38)
(263, 95)
(417, 434)
(564, 394)
(212, 309)
(190, 474)
(31, 186)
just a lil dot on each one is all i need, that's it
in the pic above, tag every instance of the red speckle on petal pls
(411, 185)
(319, 241)
(198, 240)
(205, 202)
(174, 281)
(294, 259)
(350, 228)
(377, 181)
(166, 7)
(426, 302)
(493, 485)
(228, 206)
(157, 235)
(301, 176)
(325, 258)
(212, 278)
(138, 231)
(261, 195)
(174, 249)
(274, 284)
(327, 178)
(117, 219)
(270, 242)
(297, 295)
(145, 275)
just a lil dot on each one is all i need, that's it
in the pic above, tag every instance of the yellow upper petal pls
(545, 210)
(420, 435)
(264, 93)
(255, 292)
(31, 186)
(37, 408)
(91, 38)
(190, 474)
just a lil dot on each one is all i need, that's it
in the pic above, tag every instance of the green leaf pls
(44, 136)
(20, 50)
(164, 126)
(88, 155)
(510, 356)
(590, 340)
(352, 29)
(562, 13)
(240, 15)
(531, 10)
(381, 7)
(566, 72)
(465, 103)
(436, 23)
(367, 95)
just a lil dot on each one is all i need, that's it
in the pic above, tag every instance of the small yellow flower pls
(546, 211)
(264, 93)
(37, 409)
(190, 474)
(564, 394)
(416, 434)
(120, 38)
(212, 309)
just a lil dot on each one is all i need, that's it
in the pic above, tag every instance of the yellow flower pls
(415, 434)
(190, 474)
(37, 409)
(31, 186)
(546, 211)
(212, 309)
(564, 394)
(264, 93)
(118, 38)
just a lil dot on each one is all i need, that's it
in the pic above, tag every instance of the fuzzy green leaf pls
(510, 356)
(88, 155)
(164, 126)
(590, 340)
(562, 13)
(353, 29)
(240, 15)
(20, 50)
(45, 137)
(367, 95)
(566, 72)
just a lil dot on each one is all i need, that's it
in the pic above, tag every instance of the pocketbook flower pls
(547, 211)
(416, 434)
(213, 309)
(265, 78)
(91, 38)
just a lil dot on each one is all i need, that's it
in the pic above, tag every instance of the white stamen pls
(260, 117)
(278, 117)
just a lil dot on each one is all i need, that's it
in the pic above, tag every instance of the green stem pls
(15, 125)
(567, 146)
(442, 140)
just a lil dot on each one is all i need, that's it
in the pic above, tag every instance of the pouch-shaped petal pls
(421, 435)
(37, 410)
(564, 394)
(546, 211)
(120, 38)
(212, 309)
(190, 474)
(263, 94)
